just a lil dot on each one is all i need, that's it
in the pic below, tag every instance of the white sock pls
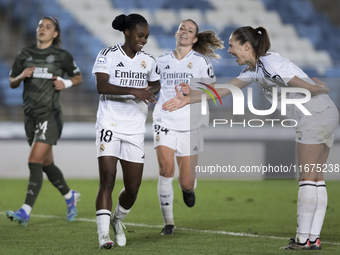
(68, 195)
(120, 213)
(27, 208)
(305, 209)
(166, 197)
(320, 211)
(103, 221)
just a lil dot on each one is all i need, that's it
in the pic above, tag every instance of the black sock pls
(56, 177)
(34, 183)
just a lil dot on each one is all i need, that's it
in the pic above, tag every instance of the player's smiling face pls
(137, 37)
(186, 33)
(46, 31)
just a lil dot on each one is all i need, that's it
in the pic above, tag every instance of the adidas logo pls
(120, 64)
(143, 156)
(29, 58)
(195, 149)
(167, 67)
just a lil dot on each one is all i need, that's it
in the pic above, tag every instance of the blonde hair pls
(207, 43)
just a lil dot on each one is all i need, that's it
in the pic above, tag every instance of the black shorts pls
(46, 128)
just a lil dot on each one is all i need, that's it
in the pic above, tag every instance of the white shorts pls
(123, 146)
(184, 143)
(318, 128)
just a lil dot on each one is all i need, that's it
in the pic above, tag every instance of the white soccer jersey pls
(174, 72)
(125, 114)
(273, 70)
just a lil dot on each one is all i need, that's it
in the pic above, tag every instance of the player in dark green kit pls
(42, 67)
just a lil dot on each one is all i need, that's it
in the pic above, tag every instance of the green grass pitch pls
(230, 217)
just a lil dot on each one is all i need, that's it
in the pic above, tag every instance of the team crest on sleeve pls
(189, 66)
(101, 60)
(210, 72)
(143, 64)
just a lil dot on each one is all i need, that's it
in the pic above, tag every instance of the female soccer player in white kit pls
(127, 80)
(314, 134)
(178, 133)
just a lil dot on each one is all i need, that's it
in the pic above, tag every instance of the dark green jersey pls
(39, 94)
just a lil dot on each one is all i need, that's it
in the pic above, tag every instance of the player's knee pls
(166, 171)
(187, 185)
(132, 192)
(107, 182)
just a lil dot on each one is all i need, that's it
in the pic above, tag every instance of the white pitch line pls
(184, 229)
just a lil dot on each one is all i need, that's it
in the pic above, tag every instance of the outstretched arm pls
(104, 87)
(318, 89)
(180, 100)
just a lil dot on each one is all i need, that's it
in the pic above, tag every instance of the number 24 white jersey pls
(124, 113)
(174, 72)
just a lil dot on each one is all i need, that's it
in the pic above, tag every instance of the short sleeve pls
(283, 68)
(207, 71)
(154, 72)
(102, 63)
(69, 65)
(246, 75)
(17, 66)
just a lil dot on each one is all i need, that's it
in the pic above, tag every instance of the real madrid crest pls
(50, 59)
(102, 148)
(143, 64)
(157, 138)
(189, 66)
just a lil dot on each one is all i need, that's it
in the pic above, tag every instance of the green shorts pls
(46, 128)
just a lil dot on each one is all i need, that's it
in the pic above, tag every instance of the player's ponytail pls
(122, 22)
(119, 23)
(258, 38)
(263, 42)
(207, 42)
(56, 41)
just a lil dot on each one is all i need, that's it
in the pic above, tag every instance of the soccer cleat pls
(72, 206)
(316, 245)
(105, 242)
(189, 198)
(117, 226)
(168, 230)
(20, 216)
(296, 246)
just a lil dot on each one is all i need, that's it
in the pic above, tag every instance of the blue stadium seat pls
(166, 41)
(4, 4)
(333, 72)
(303, 9)
(152, 5)
(312, 32)
(13, 96)
(4, 70)
(156, 30)
(126, 5)
(311, 72)
(222, 71)
(226, 32)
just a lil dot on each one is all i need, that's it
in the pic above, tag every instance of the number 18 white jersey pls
(174, 72)
(124, 113)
